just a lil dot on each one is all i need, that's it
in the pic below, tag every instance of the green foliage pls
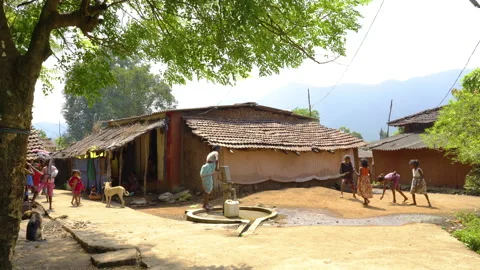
(305, 111)
(64, 141)
(220, 41)
(400, 130)
(471, 234)
(353, 133)
(472, 181)
(383, 134)
(457, 129)
(136, 92)
(42, 133)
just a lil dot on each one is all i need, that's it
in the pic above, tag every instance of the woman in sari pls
(207, 172)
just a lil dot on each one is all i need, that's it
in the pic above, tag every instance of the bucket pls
(231, 209)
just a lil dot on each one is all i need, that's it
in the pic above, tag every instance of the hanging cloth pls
(91, 173)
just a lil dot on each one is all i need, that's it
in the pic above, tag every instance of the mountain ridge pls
(364, 107)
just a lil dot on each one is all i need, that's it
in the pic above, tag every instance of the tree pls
(64, 141)
(383, 134)
(457, 128)
(400, 130)
(220, 41)
(306, 112)
(42, 134)
(136, 92)
(353, 133)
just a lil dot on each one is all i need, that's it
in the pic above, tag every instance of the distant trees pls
(42, 134)
(353, 133)
(457, 128)
(136, 92)
(383, 134)
(306, 112)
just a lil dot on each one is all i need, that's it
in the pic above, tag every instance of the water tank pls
(232, 209)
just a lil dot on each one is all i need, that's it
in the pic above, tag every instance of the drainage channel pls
(302, 217)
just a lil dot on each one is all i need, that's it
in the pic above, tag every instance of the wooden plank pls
(120, 167)
(146, 166)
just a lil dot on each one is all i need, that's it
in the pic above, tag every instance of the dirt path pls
(59, 252)
(323, 206)
(171, 244)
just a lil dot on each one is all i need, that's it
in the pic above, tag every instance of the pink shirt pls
(44, 171)
(393, 177)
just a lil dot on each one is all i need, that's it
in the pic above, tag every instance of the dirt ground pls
(172, 244)
(58, 252)
(329, 201)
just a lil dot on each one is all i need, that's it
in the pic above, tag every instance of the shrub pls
(472, 181)
(471, 234)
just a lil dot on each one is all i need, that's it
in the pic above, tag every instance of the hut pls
(49, 144)
(260, 144)
(35, 148)
(395, 152)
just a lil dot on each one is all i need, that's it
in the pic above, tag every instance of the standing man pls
(206, 173)
(347, 170)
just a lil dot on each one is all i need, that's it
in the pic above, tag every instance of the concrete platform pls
(116, 258)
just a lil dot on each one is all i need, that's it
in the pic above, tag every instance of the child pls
(419, 185)
(394, 179)
(29, 178)
(37, 176)
(364, 187)
(76, 184)
(347, 170)
(49, 174)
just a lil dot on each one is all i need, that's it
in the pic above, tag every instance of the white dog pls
(109, 191)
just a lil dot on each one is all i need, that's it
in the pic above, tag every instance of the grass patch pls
(470, 234)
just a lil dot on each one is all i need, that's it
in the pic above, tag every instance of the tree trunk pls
(17, 85)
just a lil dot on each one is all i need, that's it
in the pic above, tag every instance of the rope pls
(15, 131)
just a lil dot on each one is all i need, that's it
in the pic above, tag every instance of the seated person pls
(132, 184)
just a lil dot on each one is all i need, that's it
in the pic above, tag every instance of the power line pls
(355, 55)
(459, 74)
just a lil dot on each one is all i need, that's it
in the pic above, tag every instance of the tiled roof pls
(301, 135)
(211, 108)
(108, 139)
(424, 117)
(34, 145)
(397, 142)
(364, 153)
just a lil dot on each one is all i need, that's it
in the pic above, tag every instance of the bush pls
(472, 181)
(471, 234)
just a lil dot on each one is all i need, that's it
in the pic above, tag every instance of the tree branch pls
(7, 47)
(275, 29)
(39, 49)
(26, 3)
(475, 3)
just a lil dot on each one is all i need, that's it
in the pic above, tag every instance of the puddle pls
(302, 217)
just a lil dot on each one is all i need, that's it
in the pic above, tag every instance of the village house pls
(395, 152)
(166, 149)
(49, 144)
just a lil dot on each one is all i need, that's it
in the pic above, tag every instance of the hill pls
(51, 129)
(364, 108)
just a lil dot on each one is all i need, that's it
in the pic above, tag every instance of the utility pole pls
(309, 104)
(389, 115)
(59, 132)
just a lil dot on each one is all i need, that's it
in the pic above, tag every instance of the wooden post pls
(309, 105)
(146, 168)
(109, 166)
(120, 167)
(389, 115)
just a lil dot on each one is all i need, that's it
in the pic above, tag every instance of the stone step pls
(116, 258)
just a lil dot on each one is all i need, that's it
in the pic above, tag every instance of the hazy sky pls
(410, 38)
